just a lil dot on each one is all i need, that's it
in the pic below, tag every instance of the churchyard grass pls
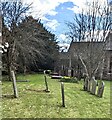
(33, 102)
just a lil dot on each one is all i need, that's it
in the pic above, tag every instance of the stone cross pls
(93, 89)
(100, 89)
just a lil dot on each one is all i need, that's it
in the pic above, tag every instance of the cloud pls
(62, 36)
(52, 13)
(64, 39)
(80, 5)
(52, 24)
(64, 46)
(41, 8)
(44, 7)
(47, 7)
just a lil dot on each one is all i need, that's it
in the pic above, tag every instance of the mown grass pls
(33, 103)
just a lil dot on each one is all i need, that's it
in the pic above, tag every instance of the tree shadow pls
(88, 92)
(43, 91)
(8, 96)
(61, 106)
(69, 81)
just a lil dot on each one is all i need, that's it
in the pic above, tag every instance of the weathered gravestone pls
(89, 86)
(46, 84)
(85, 84)
(62, 92)
(93, 88)
(14, 84)
(100, 89)
(69, 73)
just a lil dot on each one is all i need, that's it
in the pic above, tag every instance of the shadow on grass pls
(43, 91)
(8, 96)
(69, 81)
(90, 93)
(61, 106)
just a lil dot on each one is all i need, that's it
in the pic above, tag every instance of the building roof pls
(85, 44)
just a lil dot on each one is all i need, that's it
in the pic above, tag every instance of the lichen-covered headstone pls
(89, 86)
(100, 89)
(93, 88)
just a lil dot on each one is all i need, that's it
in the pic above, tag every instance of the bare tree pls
(91, 27)
(12, 14)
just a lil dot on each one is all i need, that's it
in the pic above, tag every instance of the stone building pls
(70, 65)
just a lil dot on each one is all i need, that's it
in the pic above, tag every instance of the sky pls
(55, 13)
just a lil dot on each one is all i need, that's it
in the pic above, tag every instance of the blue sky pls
(62, 17)
(55, 13)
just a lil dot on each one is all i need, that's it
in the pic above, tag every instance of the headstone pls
(44, 72)
(69, 73)
(63, 97)
(46, 84)
(14, 84)
(59, 72)
(89, 85)
(100, 89)
(56, 77)
(93, 89)
(85, 84)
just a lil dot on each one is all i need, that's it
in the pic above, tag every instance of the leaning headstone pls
(93, 89)
(62, 92)
(100, 89)
(14, 84)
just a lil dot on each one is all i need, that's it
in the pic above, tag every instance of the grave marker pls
(93, 89)
(14, 84)
(69, 73)
(85, 84)
(44, 72)
(89, 85)
(63, 97)
(46, 84)
(100, 89)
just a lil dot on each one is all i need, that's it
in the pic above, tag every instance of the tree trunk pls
(9, 73)
(9, 67)
(101, 72)
(79, 73)
(24, 70)
(9, 64)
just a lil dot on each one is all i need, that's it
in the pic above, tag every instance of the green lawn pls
(34, 103)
